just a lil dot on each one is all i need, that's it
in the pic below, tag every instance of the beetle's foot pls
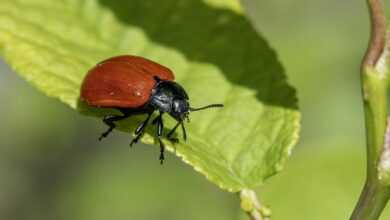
(162, 150)
(103, 135)
(174, 140)
(134, 141)
(161, 158)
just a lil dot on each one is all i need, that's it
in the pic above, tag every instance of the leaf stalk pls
(252, 206)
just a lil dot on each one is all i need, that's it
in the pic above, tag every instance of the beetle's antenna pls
(207, 106)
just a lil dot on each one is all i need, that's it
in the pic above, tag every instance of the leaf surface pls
(212, 48)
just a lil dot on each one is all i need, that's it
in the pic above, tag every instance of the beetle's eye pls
(180, 106)
(176, 106)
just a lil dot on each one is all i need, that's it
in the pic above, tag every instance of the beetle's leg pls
(109, 120)
(160, 126)
(173, 131)
(184, 131)
(139, 131)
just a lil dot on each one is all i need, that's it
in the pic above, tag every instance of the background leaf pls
(213, 50)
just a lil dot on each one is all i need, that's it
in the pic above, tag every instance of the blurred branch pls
(252, 206)
(374, 69)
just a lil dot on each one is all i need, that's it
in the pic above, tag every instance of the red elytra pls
(122, 81)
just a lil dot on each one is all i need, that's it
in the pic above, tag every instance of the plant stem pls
(252, 206)
(375, 194)
(372, 201)
(378, 33)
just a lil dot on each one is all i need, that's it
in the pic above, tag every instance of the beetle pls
(135, 85)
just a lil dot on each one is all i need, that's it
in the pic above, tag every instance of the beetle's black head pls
(170, 97)
(180, 109)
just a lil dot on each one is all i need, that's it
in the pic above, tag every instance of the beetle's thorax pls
(170, 97)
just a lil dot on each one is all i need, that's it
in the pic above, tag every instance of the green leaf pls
(213, 50)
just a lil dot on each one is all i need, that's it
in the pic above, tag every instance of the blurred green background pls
(53, 167)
